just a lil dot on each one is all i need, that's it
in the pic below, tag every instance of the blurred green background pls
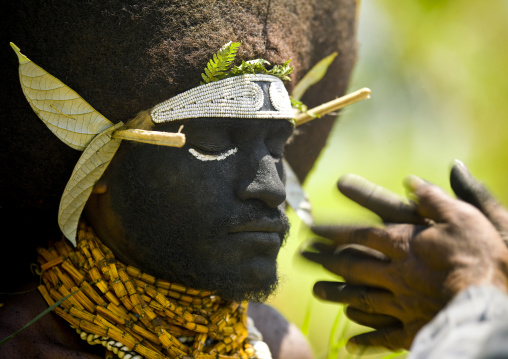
(438, 71)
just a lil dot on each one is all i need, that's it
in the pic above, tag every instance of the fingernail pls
(412, 183)
(459, 164)
(349, 179)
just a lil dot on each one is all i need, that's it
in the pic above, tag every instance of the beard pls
(178, 241)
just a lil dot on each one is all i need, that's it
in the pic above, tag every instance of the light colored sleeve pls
(473, 325)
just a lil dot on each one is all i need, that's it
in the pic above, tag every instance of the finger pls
(372, 320)
(372, 237)
(391, 337)
(358, 249)
(467, 188)
(362, 298)
(335, 232)
(353, 267)
(323, 247)
(434, 203)
(317, 257)
(387, 205)
(326, 255)
(358, 269)
(330, 291)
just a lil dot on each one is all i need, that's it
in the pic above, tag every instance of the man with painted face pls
(202, 218)
(213, 206)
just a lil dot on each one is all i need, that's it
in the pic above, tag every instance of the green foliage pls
(394, 355)
(315, 74)
(282, 71)
(256, 66)
(300, 106)
(216, 69)
(306, 320)
(339, 330)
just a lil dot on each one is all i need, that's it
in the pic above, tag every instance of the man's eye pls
(277, 155)
(276, 141)
(276, 149)
(210, 147)
(205, 155)
(277, 152)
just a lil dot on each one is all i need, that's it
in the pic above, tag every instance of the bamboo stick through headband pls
(152, 137)
(331, 106)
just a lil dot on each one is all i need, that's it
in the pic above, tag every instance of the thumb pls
(433, 202)
(467, 188)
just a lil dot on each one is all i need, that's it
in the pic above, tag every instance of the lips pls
(260, 225)
(255, 241)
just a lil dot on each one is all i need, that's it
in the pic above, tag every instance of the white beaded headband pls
(234, 97)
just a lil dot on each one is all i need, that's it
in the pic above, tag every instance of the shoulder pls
(284, 339)
(48, 337)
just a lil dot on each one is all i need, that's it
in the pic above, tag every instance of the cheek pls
(203, 185)
(179, 185)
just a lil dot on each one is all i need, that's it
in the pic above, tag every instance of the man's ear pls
(100, 187)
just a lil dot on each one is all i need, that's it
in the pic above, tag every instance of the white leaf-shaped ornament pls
(65, 113)
(87, 172)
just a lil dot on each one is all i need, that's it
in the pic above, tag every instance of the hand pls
(417, 268)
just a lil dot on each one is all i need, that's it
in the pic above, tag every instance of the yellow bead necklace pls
(133, 314)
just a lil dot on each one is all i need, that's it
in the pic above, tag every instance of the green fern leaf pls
(219, 66)
(216, 69)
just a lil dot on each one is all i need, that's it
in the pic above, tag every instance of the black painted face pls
(208, 215)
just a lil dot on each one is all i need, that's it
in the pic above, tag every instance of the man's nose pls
(265, 185)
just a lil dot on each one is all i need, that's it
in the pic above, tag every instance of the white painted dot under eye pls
(218, 157)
